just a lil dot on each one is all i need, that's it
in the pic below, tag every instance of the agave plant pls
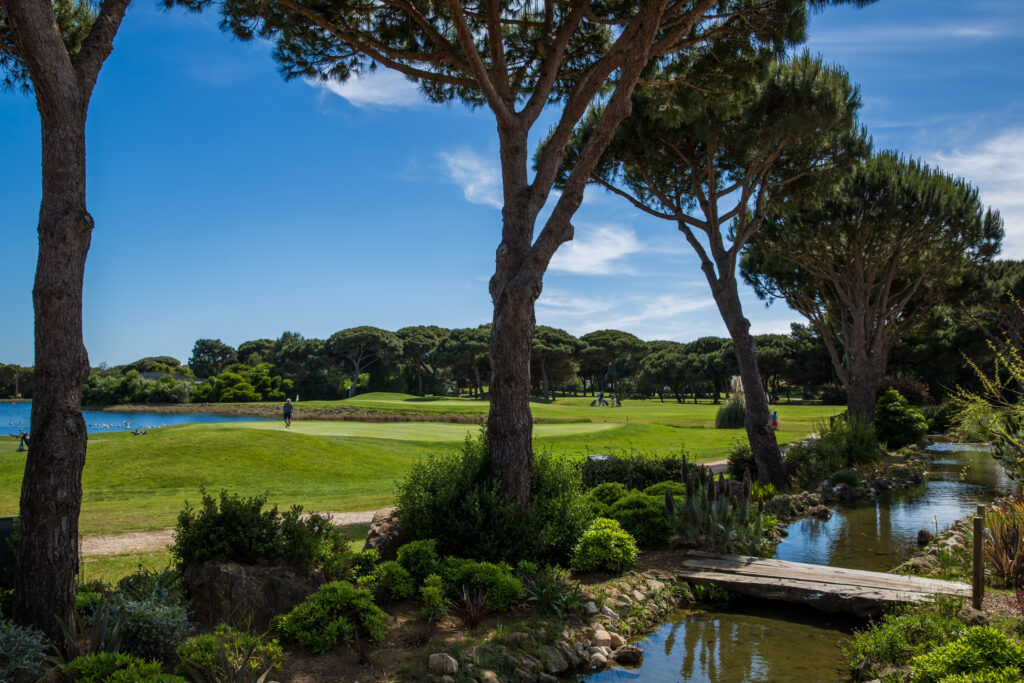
(234, 668)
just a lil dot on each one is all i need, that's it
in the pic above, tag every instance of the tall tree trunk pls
(51, 491)
(765, 449)
(544, 376)
(861, 392)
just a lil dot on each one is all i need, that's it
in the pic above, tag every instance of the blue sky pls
(233, 205)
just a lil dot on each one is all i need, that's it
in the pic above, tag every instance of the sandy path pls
(148, 541)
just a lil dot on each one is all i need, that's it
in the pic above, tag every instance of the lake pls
(15, 416)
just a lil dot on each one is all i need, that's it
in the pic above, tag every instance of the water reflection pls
(762, 642)
(878, 535)
(783, 643)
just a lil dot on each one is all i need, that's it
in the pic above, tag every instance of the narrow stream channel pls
(780, 643)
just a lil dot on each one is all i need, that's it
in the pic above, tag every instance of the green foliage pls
(677, 488)
(500, 584)
(116, 667)
(848, 440)
(979, 650)
(732, 413)
(762, 493)
(435, 605)
(394, 582)
(724, 525)
(603, 496)
(23, 657)
(909, 631)
(419, 558)
(605, 545)
(242, 383)
(897, 423)
(1004, 542)
(644, 517)
(741, 460)
(229, 656)
(552, 591)
(149, 627)
(453, 499)
(941, 417)
(633, 469)
(210, 357)
(240, 530)
(132, 388)
(809, 465)
(335, 612)
(845, 476)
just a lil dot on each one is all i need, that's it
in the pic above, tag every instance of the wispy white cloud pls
(996, 167)
(479, 178)
(597, 250)
(561, 304)
(380, 88)
(888, 39)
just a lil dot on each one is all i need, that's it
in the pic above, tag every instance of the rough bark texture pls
(51, 492)
(763, 445)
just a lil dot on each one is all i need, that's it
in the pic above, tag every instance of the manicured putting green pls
(429, 432)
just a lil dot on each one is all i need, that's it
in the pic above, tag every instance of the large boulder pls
(246, 595)
(385, 534)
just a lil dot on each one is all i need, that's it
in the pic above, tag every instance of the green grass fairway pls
(796, 416)
(141, 482)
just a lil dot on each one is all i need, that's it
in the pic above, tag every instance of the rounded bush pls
(503, 587)
(419, 558)
(741, 459)
(643, 517)
(845, 476)
(202, 655)
(604, 545)
(677, 488)
(603, 496)
(980, 650)
(898, 423)
(453, 499)
(394, 582)
(23, 653)
(333, 613)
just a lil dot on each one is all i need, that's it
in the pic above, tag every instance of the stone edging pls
(629, 606)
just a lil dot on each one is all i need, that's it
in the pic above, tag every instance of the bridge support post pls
(978, 586)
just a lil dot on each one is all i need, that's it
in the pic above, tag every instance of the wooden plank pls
(828, 575)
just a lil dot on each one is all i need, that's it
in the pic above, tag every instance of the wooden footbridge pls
(832, 589)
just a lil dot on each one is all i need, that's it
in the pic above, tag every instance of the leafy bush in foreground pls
(224, 654)
(22, 654)
(605, 545)
(335, 612)
(500, 584)
(116, 667)
(239, 529)
(644, 517)
(453, 499)
(419, 558)
(909, 631)
(732, 413)
(980, 650)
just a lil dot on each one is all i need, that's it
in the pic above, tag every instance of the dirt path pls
(148, 541)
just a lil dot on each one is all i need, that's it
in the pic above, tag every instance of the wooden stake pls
(978, 587)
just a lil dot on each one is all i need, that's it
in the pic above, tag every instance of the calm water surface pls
(781, 643)
(15, 417)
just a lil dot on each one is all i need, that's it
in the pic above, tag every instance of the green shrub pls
(146, 584)
(116, 667)
(941, 417)
(419, 558)
(762, 493)
(603, 496)
(677, 488)
(732, 413)
(1004, 542)
(981, 649)
(848, 440)
(223, 654)
(604, 545)
(335, 612)
(364, 562)
(394, 582)
(897, 422)
(502, 586)
(453, 499)
(741, 460)
(632, 469)
(808, 465)
(149, 628)
(907, 632)
(240, 530)
(552, 591)
(644, 517)
(435, 605)
(845, 476)
(23, 655)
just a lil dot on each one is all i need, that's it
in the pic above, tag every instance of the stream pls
(772, 641)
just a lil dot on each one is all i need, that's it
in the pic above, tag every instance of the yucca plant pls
(1004, 542)
(473, 606)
